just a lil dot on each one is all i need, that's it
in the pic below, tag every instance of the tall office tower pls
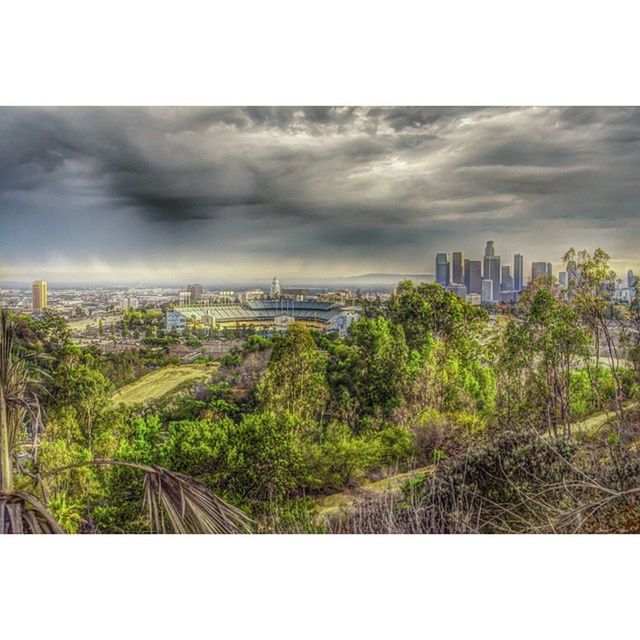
(275, 288)
(518, 272)
(39, 296)
(540, 269)
(631, 279)
(473, 276)
(196, 291)
(443, 275)
(572, 272)
(185, 298)
(487, 291)
(506, 283)
(549, 269)
(489, 250)
(492, 272)
(457, 267)
(563, 279)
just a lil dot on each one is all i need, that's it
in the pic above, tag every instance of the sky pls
(171, 195)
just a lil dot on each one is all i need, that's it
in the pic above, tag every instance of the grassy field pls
(161, 383)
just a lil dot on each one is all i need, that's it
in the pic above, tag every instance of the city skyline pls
(117, 195)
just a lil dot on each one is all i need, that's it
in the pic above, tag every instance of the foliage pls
(294, 381)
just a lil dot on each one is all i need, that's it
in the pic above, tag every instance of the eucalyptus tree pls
(591, 290)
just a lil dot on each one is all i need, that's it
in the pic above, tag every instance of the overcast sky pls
(210, 194)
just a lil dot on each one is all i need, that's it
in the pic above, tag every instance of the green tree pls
(294, 381)
(378, 365)
(591, 294)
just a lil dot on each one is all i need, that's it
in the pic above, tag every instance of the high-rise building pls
(631, 279)
(563, 279)
(487, 291)
(39, 296)
(443, 274)
(489, 249)
(549, 269)
(491, 272)
(473, 276)
(540, 269)
(518, 272)
(196, 291)
(275, 288)
(572, 273)
(506, 281)
(459, 289)
(457, 267)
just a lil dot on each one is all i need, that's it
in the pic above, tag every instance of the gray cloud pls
(347, 186)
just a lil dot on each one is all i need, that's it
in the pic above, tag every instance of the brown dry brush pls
(521, 483)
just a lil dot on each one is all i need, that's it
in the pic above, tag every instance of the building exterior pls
(185, 298)
(572, 273)
(474, 299)
(518, 272)
(563, 279)
(39, 296)
(509, 296)
(443, 275)
(631, 279)
(129, 302)
(196, 291)
(459, 289)
(251, 294)
(473, 276)
(267, 316)
(489, 250)
(487, 291)
(540, 269)
(457, 267)
(275, 288)
(492, 272)
(506, 281)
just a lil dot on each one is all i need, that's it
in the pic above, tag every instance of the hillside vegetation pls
(426, 418)
(160, 383)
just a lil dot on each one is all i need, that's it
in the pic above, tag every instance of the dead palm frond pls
(177, 503)
(22, 513)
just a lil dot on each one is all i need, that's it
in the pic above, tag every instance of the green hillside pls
(160, 383)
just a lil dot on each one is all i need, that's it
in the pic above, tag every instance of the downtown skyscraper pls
(443, 273)
(457, 271)
(518, 272)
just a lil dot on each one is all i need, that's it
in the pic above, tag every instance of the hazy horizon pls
(176, 195)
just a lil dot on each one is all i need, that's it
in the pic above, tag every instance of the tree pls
(294, 381)
(535, 355)
(591, 293)
(378, 365)
(429, 310)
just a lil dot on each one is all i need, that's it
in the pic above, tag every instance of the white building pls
(487, 291)
(275, 288)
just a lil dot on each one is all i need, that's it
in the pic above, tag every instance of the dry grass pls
(161, 383)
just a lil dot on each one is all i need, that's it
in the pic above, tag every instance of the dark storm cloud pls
(324, 180)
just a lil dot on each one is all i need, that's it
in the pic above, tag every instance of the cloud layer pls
(126, 193)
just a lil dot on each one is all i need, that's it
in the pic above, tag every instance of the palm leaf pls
(22, 513)
(180, 504)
